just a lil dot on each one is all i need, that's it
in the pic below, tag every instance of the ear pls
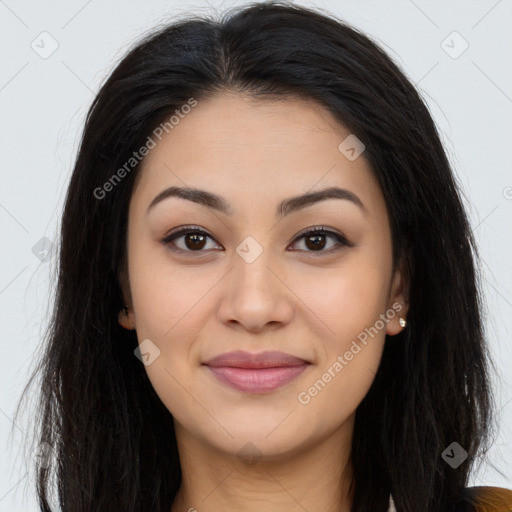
(126, 316)
(398, 299)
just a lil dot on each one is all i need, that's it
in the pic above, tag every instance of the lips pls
(256, 373)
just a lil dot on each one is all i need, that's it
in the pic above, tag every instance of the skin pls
(311, 304)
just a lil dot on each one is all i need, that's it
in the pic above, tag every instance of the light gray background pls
(43, 103)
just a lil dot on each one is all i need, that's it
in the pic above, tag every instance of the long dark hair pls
(113, 440)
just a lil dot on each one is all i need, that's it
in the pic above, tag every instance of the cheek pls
(167, 305)
(171, 308)
(351, 339)
(346, 308)
(344, 302)
(166, 296)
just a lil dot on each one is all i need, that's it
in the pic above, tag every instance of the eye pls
(195, 239)
(315, 239)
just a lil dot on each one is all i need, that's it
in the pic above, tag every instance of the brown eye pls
(194, 240)
(315, 240)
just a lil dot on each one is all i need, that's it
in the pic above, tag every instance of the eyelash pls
(185, 230)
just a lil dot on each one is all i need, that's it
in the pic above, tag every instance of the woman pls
(267, 294)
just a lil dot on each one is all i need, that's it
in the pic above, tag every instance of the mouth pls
(256, 373)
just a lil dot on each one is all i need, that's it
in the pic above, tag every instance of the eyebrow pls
(285, 207)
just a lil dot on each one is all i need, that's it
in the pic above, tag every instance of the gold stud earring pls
(402, 322)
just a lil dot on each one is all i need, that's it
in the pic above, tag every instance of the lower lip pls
(261, 380)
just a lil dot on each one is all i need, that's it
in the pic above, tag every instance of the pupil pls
(316, 244)
(195, 239)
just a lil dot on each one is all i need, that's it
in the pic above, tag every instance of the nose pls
(256, 295)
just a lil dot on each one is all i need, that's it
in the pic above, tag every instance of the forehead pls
(254, 149)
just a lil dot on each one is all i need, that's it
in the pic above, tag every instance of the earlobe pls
(399, 302)
(398, 323)
(126, 319)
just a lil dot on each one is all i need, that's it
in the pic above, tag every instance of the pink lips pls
(256, 373)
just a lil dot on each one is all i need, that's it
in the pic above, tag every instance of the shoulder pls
(485, 499)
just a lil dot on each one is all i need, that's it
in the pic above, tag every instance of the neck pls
(316, 478)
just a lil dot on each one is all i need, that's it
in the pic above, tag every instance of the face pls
(252, 277)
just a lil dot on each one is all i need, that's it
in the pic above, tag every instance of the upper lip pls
(268, 359)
